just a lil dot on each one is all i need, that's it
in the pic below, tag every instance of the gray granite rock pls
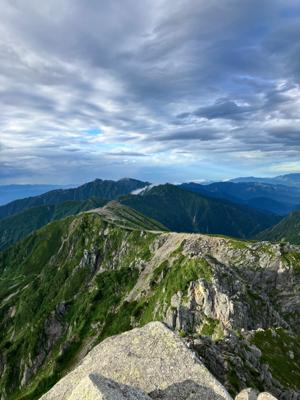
(150, 358)
(247, 394)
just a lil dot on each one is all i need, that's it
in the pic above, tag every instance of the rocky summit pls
(152, 359)
(146, 363)
(68, 287)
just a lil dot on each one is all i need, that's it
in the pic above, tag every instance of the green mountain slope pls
(102, 189)
(20, 225)
(57, 288)
(287, 229)
(183, 211)
(76, 281)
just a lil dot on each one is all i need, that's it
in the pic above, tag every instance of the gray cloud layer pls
(156, 89)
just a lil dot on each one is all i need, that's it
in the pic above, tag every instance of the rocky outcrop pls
(247, 394)
(52, 331)
(97, 387)
(235, 360)
(149, 363)
(248, 276)
(152, 359)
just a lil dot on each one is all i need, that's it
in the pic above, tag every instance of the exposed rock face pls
(234, 294)
(52, 331)
(152, 359)
(237, 361)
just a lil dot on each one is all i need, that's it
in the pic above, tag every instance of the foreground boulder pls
(96, 387)
(152, 359)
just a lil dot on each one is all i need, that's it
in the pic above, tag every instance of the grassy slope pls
(281, 351)
(20, 225)
(287, 229)
(183, 211)
(44, 271)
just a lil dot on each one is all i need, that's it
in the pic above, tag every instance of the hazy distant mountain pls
(103, 189)
(184, 211)
(10, 193)
(278, 199)
(288, 180)
(287, 229)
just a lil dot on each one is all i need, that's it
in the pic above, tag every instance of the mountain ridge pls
(18, 226)
(103, 189)
(274, 198)
(9, 193)
(292, 179)
(183, 211)
(125, 217)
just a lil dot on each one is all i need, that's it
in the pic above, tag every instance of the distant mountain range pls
(102, 189)
(10, 193)
(183, 211)
(239, 209)
(174, 208)
(288, 180)
(274, 198)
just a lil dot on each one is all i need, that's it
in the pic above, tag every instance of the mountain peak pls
(102, 189)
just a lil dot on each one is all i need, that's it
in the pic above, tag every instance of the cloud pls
(198, 134)
(224, 109)
(123, 153)
(156, 82)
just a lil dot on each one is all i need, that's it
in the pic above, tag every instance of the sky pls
(160, 90)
